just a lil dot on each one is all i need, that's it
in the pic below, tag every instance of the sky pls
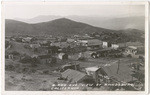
(27, 11)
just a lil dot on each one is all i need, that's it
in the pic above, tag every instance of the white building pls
(106, 44)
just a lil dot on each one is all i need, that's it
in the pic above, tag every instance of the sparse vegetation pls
(10, 67)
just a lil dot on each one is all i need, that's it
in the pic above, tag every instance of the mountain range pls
(67, 27)
(124, 22)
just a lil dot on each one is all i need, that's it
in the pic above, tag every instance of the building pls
(63, 56)
(131, 50)
(62, 39)
(36, 45)
(9, 56)
(90, 43)
(134, 49)
(12, 55)
(27, 39)
(44, 59)
(19, 39)
(52, 49)
(115, 46)
(73, 66)
(118, 45)
(74, 76)
(134, 52)
(70, 40)
(94, 72)
(106, 44)
(115, 72)
(60, 44)
(45, 44)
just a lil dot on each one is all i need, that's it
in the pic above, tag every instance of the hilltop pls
(67, 27)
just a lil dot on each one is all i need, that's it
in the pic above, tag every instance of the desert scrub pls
(46, 72)
(25, 70)
(32, 71)
(10, 67)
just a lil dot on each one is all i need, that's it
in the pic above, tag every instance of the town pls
(78, 62)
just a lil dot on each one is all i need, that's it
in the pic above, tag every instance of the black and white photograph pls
(74, 47)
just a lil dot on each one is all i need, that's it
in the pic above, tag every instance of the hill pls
(136, 22)
(13, 27)
(67, 27)
(58, 27)
(119, 23)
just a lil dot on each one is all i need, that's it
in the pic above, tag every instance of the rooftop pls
(123, 74)
(92, 68)
(73, 75)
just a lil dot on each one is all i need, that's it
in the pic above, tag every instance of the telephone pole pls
(118, 66)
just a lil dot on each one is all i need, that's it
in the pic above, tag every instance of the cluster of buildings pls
(46, 49)
(115, 74)
(49, 46)
(76, 44)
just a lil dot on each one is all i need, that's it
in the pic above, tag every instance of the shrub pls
(10, 68)
(15, 53)
(46, 72)
(25, 70)
(26, 59)
(32, 71)
(18, 70)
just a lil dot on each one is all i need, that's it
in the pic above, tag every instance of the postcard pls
(74, 47)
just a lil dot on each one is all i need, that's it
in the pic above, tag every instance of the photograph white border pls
(77, 92)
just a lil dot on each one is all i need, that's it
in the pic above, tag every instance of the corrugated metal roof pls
(73, 75)
(123, 74)
(92, 68)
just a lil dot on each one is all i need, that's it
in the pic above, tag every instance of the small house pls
(18, 39)
(52, 39)
(131, 50)
(9, 56)
(45, 59)
(94, 72)
(106, 44)
(62, 39)
(134, 51)
(90, 43)
(12, 39)
(74, 76)
(25, 59)
(45, 43)
(94, 44)
(115, 46)
(115, 72)
(61, 44)
(72, 66)
(27, 39)
(118, 45)
(63, 56)
(12, 55)
(36, 45)
(70, 40)
(53, 49)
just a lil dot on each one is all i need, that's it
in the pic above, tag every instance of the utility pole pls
(118, 66)
(75, 66)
